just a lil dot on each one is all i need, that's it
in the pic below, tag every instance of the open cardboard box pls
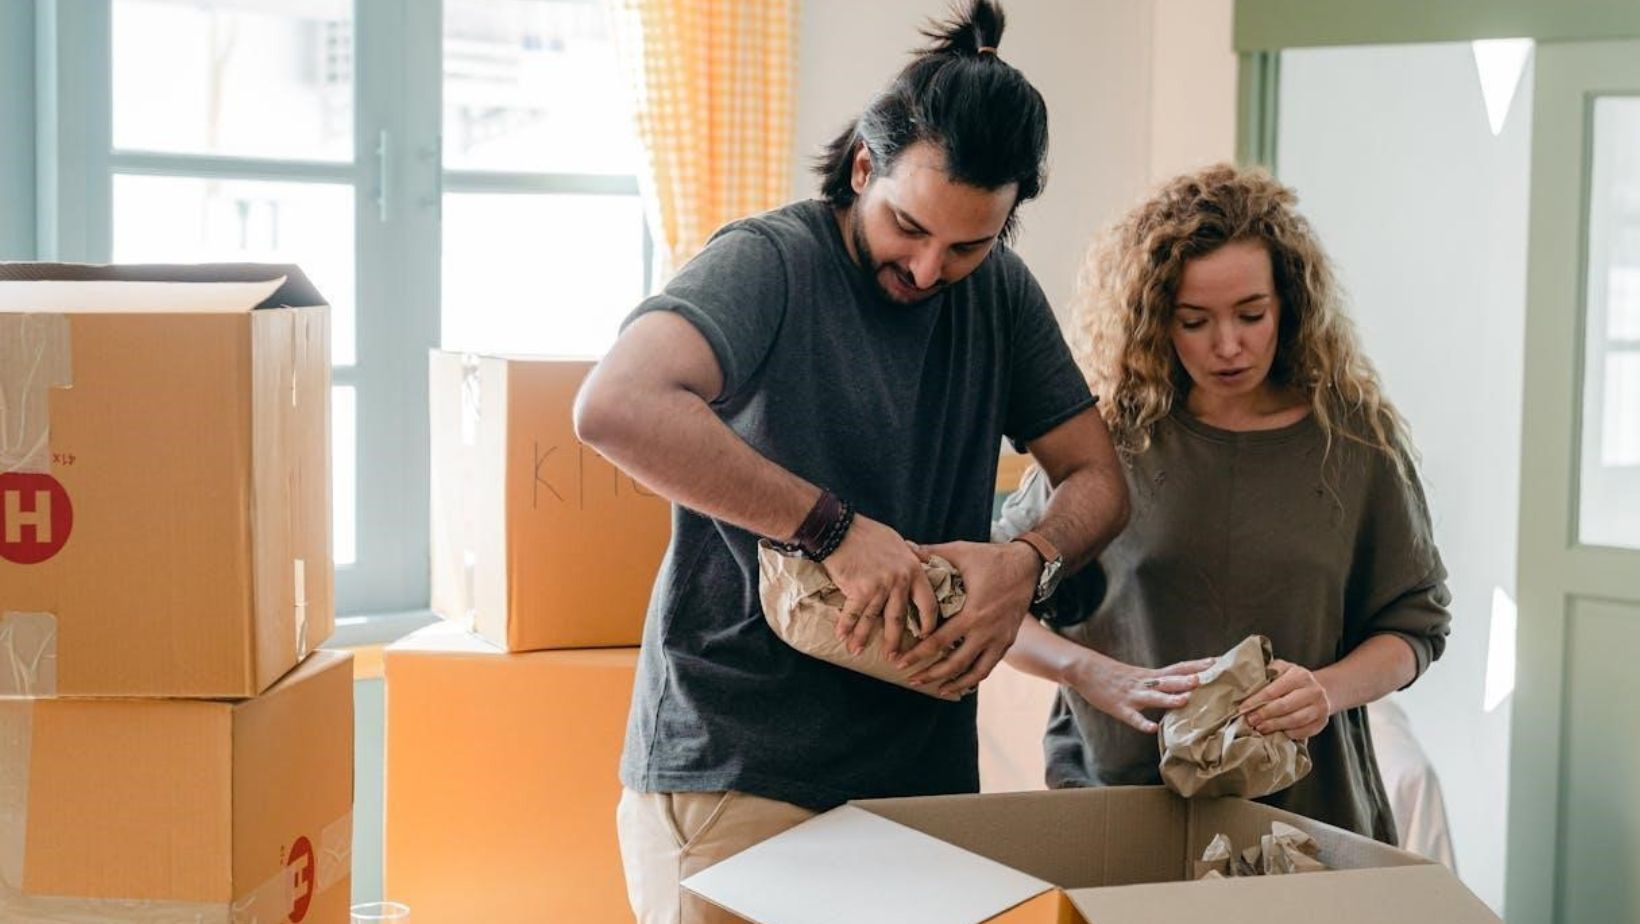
(164, 478)
(1111, 855)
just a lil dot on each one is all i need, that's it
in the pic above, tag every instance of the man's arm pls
(1088, 509)
(645, 408)
(1089, 504)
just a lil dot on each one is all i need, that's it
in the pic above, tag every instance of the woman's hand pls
(1126, 692)
(1295, 702)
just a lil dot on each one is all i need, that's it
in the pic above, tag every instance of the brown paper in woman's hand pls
(1210, 750)
(802, 606)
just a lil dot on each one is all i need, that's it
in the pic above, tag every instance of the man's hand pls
(1295, 703)
(879, 576)
(1125, 692)
(1000, 579)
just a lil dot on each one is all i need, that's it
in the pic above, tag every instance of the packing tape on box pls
(301, 608)
(472, 417)
(472, 399)
(34, 358)
(16, 740)
(303, 879)
(28, 654)
(26, 909)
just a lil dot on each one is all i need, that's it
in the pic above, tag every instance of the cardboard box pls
(164, 478)
(1089, 856)
(147, 810)
(538, 542)
(501, 780)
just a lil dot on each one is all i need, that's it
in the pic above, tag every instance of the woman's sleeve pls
(1398, 583)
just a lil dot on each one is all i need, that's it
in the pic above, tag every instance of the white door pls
(1574, 821)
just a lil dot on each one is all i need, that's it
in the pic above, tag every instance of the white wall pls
(1425, 213)
(1089, 59)
(1193, 86)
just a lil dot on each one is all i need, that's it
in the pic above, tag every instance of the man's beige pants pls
(668, 837)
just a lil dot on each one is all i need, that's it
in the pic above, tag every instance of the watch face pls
(1049, 579)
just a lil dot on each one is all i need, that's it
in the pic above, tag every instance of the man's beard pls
(872, 270)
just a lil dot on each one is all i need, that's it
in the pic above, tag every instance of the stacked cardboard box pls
(170, 746)
(504, 724)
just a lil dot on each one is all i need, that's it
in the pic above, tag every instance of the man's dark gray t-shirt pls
(897, 409)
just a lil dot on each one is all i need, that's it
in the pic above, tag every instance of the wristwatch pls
(1052, 564)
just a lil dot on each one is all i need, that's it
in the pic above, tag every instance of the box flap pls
(312, 666)
(225, 287)
(1098, 836)
(852, 866)
(443, 638)
(1365, 896)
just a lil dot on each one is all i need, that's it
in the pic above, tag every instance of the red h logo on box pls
(301, 865)
(35, 517)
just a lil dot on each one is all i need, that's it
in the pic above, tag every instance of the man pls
(837, 374)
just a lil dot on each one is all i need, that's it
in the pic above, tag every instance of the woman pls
(1273, 493)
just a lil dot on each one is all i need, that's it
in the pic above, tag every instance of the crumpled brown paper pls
(1284, 850)
(802, 606)
(1208, 750)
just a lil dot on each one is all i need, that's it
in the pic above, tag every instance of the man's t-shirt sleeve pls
(1046, 388)
(734, 293)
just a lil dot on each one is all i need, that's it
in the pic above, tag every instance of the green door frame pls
(1265, 28)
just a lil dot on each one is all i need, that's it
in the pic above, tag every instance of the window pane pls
(1620, 425)
(547, 274)
(534, 86)
(159, 219)
(1609, 482)
(344, 473)
(1623, 296)
(263, 78)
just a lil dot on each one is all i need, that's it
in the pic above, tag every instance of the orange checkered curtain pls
(714, 107)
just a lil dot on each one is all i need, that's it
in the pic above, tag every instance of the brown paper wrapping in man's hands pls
(802, 606)
(1209, 750)
(1284, 850)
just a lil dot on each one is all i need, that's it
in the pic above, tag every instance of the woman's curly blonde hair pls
(1130, 279)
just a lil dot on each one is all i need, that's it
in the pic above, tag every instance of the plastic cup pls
(381, 913)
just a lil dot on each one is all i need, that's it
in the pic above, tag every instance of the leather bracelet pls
(822, 530)
(834, 536)
(812, 531)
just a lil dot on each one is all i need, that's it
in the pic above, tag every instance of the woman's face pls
(1225, 320)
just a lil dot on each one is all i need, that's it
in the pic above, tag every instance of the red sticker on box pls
(35, 517)
(303, 868)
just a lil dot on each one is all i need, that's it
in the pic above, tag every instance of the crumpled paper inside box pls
(1284, 850)
(802, 605)
(1210, 750)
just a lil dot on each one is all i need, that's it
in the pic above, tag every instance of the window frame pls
(399, 182)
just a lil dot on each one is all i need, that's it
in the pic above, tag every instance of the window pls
(519, 155)
(457, 174)
(1609, 478)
